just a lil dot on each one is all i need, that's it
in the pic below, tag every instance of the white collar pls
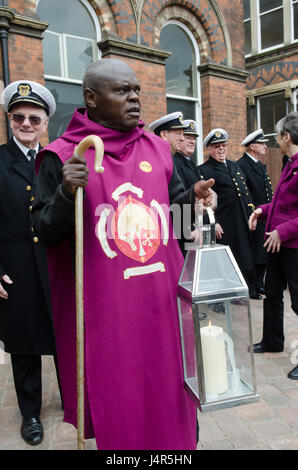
(253, 158)
(25, 149)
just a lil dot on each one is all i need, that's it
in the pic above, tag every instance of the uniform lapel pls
(20, 163)
(257, 167)
(218, 165)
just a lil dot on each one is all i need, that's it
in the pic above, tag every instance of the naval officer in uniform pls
(260, 188)
(170, 128)
(234, 203)
(187, 170)
(26, 328)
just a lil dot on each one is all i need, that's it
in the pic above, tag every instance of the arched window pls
(69, 46)
(182, 76)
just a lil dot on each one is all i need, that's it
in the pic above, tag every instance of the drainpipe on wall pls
(5, 61)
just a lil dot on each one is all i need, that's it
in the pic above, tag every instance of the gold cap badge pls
(24, 89)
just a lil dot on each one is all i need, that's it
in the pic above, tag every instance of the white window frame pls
(255, 24)
(62, 47)
(258, 103)
(196, 100)
(259, 26)
(64, 40)
(294, 2)
(246, 20)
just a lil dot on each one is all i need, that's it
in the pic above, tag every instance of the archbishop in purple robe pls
(134, 395)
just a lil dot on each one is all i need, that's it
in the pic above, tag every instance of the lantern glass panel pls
(217, 273)
(211, 273)
(215, 326)
(226, 356)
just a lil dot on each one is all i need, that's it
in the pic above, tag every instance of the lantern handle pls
(210, 214)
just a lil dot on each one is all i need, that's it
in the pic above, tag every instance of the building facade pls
(271, 55)
(230, 64)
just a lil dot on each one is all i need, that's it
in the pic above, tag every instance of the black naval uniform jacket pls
(187, 170)
(234, 206)
(260, 189)
(26, 326)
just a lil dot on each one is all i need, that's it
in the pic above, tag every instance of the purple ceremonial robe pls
(133, 362)
(282, 212)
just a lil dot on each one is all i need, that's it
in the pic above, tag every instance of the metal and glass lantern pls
(215, 325)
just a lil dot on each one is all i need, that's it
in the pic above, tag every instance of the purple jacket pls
(282, 211)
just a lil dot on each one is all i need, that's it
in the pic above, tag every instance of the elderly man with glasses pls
(26, 328)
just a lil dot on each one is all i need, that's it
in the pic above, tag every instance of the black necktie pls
(31, 153)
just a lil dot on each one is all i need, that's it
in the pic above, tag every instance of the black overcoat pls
(260, 189)
(25, 320)
(234, 206)
(187, 170)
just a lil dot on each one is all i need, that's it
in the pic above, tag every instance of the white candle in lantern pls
(214, 360)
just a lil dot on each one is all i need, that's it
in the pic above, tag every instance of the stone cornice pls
(271, 56)
(286, 86)
(132, 50)
(20, 24)
(223, 71)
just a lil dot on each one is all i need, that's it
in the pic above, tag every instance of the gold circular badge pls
(145, 166)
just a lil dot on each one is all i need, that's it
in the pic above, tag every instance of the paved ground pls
(270, 424)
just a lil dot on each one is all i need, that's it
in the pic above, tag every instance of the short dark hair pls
(289, 124)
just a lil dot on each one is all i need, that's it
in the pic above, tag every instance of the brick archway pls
(189, 19)
(201, 17)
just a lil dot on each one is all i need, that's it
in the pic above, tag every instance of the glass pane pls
(217, 273)
(67, 16)
(68, 97)
(271, 36)
(296, 21)
(79, 56)
(266, 5)
(188, 339)
(187, 108)
(247, 29)
(272, 109)
(181, 65)
(225, 342)
(246, 7)
(51, 61)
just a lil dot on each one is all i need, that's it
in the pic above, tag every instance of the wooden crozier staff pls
(96, 142)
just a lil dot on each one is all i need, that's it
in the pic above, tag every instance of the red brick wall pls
(224, 106)
(223, 101)
(24, 7)
(25, 56)
(279, 70)
(152, 79)
(233, 15)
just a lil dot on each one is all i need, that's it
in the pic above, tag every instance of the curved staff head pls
(97, 143)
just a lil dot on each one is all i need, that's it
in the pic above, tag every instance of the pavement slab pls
(270, 424)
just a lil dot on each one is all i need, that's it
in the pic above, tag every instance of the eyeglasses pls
(20, 118)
